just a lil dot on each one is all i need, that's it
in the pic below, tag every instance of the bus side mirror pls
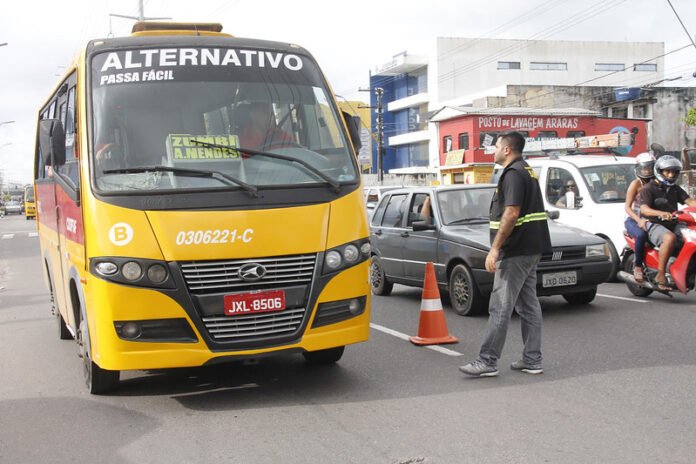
(353, 123)
(52, 142)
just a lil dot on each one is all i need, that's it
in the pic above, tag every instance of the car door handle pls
(404, 233)
(378, 232)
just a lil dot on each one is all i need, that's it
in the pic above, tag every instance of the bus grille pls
(220, 276)
(263, 325)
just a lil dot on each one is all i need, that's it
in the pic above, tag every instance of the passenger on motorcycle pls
(636, 226)
(659, 199)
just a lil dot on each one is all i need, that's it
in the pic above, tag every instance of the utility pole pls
(140, 17)
(380, 136)
(380, 132)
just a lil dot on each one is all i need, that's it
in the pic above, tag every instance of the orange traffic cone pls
(432, 328)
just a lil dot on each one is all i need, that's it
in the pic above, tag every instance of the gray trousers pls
(514, 287)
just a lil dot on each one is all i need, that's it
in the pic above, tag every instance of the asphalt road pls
(618, 387)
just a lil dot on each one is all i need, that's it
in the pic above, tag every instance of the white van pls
(598, 205)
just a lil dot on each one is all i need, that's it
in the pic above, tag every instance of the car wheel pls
(615, 262)
(581, 298)
(98, 380)
(464, 297)
(378, 280)
(628, 265)
(330, 356)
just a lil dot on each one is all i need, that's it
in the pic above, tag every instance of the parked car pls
(374, 194)
(13, 207)
(456, 240)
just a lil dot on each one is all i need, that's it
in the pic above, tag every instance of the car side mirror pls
(422, 225)
(353, 124)
(553, 214)
(52, 142)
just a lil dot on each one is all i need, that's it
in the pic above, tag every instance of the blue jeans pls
(640, 236)
(514, 288)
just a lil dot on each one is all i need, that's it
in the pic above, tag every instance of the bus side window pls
(71, 169)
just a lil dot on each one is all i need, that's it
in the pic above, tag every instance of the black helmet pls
(667, 163)
(645, 164)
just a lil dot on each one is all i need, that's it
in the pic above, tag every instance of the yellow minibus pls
(29, 203)
(199, 201)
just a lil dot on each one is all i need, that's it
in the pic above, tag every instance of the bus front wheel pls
(98, 380)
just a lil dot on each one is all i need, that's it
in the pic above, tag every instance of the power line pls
(610, 90)
(588, 13)
(509, 24)
(608, 74)
(682, 24)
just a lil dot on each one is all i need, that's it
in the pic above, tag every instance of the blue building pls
(405, 105)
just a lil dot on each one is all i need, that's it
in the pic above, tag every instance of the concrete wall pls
(468, 66)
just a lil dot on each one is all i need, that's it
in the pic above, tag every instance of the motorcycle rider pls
(659, 199)
(635, 225)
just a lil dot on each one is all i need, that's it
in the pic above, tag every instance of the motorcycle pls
(681, 269)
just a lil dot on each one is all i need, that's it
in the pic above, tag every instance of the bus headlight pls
(106, 268)
(156, 273)
(132, 270)
(346, 255)
(333, 260)
(351, 253)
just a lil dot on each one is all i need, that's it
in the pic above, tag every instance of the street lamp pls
(3, 44)
(6, 122)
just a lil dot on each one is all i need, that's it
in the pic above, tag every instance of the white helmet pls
(645, 164)
(667, 163)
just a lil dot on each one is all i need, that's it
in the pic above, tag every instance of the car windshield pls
(462, 206)
(608, 184)
(189, 108)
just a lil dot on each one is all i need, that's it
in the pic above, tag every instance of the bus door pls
(67, 220)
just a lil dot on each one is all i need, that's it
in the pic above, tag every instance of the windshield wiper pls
(334, 184)
(252, 189)
(471, 219)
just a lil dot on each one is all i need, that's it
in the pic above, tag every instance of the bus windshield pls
(160, 116)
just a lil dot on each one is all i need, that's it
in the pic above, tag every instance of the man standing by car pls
(519, 235)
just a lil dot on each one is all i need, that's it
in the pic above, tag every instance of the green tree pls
(691, 117)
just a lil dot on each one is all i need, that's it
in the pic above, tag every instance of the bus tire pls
(63, 331)
(98, 380)
(329, 356)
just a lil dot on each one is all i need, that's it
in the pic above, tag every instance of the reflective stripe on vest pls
(523, 220)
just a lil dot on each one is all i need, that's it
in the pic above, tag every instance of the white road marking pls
(396, 334)
(622, 298)
(11, 236)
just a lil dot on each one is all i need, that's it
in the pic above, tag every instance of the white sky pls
(347, 39)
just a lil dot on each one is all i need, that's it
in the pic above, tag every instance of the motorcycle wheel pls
(637, 290)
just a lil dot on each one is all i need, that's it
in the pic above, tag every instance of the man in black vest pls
(519, 235)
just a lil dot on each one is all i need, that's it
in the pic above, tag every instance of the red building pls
(464, 131)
